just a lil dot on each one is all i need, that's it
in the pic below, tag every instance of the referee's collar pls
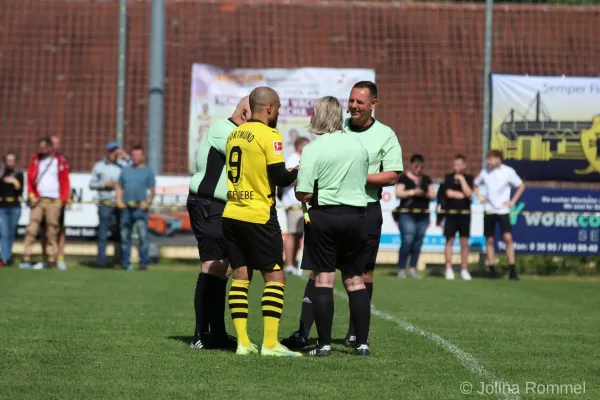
(360, 129)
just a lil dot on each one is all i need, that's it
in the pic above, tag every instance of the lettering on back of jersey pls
(247, 135)
(277, 147)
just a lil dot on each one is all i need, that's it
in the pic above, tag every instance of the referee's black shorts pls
(256, 246)
(374, 220)
(206, 216)
(335, 239)
(460, 223)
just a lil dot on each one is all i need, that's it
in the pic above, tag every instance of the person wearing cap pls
(105, 176)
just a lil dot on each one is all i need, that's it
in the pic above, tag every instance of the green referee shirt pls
(384, 151)
(210, 180)
(333, 167)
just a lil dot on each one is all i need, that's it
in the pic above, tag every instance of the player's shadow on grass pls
(188, 341)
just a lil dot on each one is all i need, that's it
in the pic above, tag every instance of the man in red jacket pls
(48, 189)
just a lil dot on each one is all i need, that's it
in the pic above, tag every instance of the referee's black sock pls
(360, 313)
(351, 330)
(216, 293)
(199, 306)
(323, 311)
(307, 316)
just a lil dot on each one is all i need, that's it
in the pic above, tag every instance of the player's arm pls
(151, 188)
(402, 192)
(391, 163)
(465, 186)
(479, 182)
(306, 175)
(515, 181)
(280, 176)
(431, 192)
(278, 173)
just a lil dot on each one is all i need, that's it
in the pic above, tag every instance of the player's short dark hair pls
(137, 147)
(367, 85)
(45, 140)
(494, 153)
(417, 158)
(460, 157)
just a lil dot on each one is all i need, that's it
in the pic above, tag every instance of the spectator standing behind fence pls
(498, 180)
(104, 179)
(458, 190)
(294, 213)
(49, 190)
(415, 191)
(11, 190)
(55, 140)
(135, 192)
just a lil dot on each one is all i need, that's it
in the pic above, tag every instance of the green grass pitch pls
(95, 334)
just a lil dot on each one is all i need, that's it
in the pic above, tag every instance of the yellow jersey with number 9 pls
(251, 148)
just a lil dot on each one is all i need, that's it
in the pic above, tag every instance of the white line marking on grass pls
(465, 359)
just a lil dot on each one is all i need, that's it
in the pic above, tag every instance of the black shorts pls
(374, 220)
(206, 218)
(457, 223)
(335, 239)
(256, 246)
(490, 221)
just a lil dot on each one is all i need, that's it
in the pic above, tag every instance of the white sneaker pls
(449, 274)
(401, 274)
(61, 266)
(39, 265)
(465, 275)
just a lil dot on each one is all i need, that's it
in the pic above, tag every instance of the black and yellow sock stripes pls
(238, 304)
(272, 307)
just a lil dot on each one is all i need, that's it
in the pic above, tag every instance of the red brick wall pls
(58, 64)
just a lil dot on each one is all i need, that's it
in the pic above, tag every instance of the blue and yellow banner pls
(547, 127)
(556, 221)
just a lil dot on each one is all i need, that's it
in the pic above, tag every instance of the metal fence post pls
(487, 69)
(157, 86)
(122, 70)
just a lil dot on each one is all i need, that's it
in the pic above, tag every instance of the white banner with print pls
(215, 92)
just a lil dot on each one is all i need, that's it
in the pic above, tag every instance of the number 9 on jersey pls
(235, 165)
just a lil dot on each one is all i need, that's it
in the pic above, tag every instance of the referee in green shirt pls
(332, 178)
(205, 204)
(385, 165)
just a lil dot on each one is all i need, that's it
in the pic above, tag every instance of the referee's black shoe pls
(225, 342)
(295, 341)
(363, 350)
(351, 341)
(320, 351)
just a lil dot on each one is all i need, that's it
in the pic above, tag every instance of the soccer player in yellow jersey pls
(254, 166)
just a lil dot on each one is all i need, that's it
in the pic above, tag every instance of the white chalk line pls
(465, 359)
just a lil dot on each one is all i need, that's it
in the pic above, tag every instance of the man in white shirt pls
(293, 210)
(498, 180)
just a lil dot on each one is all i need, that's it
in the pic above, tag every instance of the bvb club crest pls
(590, 143)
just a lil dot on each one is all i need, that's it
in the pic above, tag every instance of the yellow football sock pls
(238, 304)
(61, 258)
(272, 306)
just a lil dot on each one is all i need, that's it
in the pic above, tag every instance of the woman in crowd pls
(415, 190)
(11, 189)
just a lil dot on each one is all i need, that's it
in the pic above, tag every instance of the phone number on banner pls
(554, 247)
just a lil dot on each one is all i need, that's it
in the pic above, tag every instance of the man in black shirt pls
(458, 191)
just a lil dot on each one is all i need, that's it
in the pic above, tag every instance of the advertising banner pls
(216, 92)
(555, 221)
(548, 127)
